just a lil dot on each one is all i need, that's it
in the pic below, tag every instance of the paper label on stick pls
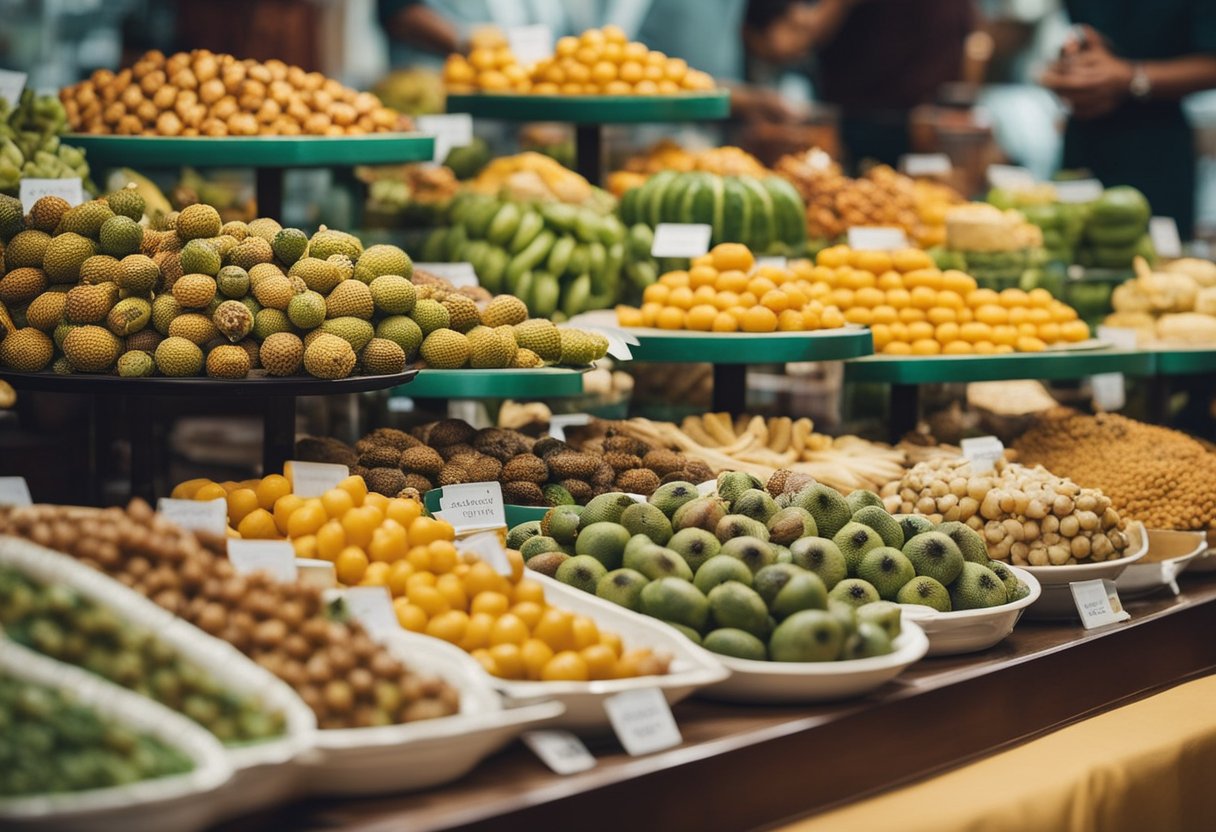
(312, 479)
(983, 452)
(643, 721)
(1109, 391)
(877, 238)
(196, 515)
(530, 43)
(488, 547)
(473, 506)
(372, 607)
(1118, 336)
(1098, 603)
(681, 239)
(926, 164)
(1078, 190)
(11, 85)
(559, 423)
(1163, 231)
(449, 129)
(458, 274)
(33, 190)
(14, 491)
(561, 751)
(276, 558)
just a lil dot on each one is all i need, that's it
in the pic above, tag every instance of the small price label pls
(559, 423)
(708, 487)
(11, 85)
(561, 751)
(449, 129)
(458, 274)
(926, 164)
(312, 479)
(530, 43)
(983, 452)
(772, 262)
(1118, 336)
(877, 238)
(474, 506)
(372, 607)
(196, 515)
(1078, 190)
(1009, 176)
(1098, 603)
(1163, 231)
(33, 190)
(488, 547)
(643, 721)
(276, 558)
(14, 491)
(1109, 391)
(681, 239)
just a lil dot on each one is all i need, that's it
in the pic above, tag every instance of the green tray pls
(255, 151)
(1041, 365)
(594, 109)
(749, 348)
(1181, 362)
(515, 514)
(541, 382)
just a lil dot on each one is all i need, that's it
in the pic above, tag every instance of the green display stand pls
(269, 156)
(589, 114)
(1182, 362)
(731, 352)
(541, 382)
(514, 514)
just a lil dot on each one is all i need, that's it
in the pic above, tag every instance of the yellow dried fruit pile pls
(1159, 476)
(200, 93)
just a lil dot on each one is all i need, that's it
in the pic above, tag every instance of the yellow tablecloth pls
(1146, 767)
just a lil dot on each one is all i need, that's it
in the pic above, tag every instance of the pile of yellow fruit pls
(720, 292)
(914, 308)
(598, 62)
(502, 621)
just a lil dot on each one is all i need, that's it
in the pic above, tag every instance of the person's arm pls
(800, 29)
(1095, 81)
(418, 25)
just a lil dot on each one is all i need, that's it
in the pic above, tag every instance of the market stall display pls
(31, 145)
(1174, 305)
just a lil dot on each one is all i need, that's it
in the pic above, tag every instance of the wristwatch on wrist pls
(1140, 85)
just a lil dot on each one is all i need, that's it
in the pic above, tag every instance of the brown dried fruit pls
(523, 494)
(421, 460)
(525, 468)
(638, 481)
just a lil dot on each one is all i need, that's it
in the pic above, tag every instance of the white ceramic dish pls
(692, 667)
(182, 803)
(263, 777)
(1056, 601)
(773, 683)
(969, 631)
(416, 755)
(1206, 562)
(1170, 553)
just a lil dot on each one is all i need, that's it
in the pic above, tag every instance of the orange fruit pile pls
(598, 62)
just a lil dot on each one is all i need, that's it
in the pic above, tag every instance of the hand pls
(1091, 79)
(750, 103)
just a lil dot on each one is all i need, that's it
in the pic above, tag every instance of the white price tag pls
(449, 129)
(772, 262)
(926, 164)
(637, 498)
(33, 190)
(195, 515)
(11, 85)
(14, 491)
(1109, 391)
(473, 506)
(1163, 231)
(312, 479)
(1118, 336)
(983, 452)
(707, 488)
(1098, 603)
(488, 547)
(1078, 190)
(642, 721)
(276, 558)
(530, 43)
(372, 607)
(1009, 176)
(458, 274)
(877, 238)
(558, 424)
(561, 751)
(681, 239)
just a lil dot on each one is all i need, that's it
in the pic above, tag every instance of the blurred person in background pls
(1123, 74)
(420, 30)
(875, 60)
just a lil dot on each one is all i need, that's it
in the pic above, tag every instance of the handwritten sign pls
(681, 239)
(1098, 603)
(473, 506)
(643, 721)
(561, 751)
(983, 452)
(33, 190)
(312, 479)
(276, 558)
(196, 515)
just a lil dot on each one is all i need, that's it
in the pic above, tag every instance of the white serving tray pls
(1056, 601)
(969, 631)
(1172, 553)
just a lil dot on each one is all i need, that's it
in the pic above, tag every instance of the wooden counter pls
(744, 767)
